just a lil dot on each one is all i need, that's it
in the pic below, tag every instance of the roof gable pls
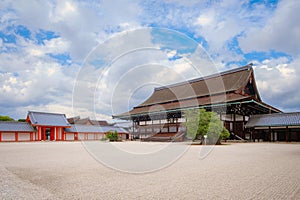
(87, 121)
(47, 119)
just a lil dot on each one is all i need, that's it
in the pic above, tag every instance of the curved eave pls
(128, 116)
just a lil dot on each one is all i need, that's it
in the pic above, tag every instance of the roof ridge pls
(246, 67)
(279, 113)
(51, 113)
(14, 122)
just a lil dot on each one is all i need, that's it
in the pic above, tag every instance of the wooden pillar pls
(16, 137)
(234, 123)
(39, 133)
(269, 134)
(43, 133)
(287, 139)
(152, 127)
(0, 137)
(62, 135)
(159, 125)
(244, 120)
(56, 133)
(139, 130)
(131, 135)
(52, 136)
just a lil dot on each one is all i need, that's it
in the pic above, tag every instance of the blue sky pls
(44, 45)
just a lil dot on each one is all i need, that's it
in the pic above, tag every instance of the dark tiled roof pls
(87, 121)
(277, 119)
(72, 120)
(84, 121)
(228, 81)
(16, 127)
(227, 87)
(48, 119)
(99, 122)
(79, 128)
(232, 97)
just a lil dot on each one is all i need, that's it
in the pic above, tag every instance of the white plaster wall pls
(81, 136)
(24, 136)
(91, 136)
(100, 136)
(69, 136)
(8, 136)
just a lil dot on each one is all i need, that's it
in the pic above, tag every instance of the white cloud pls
(281, 32)
(30, 78)
(204, 20)
(78, 22)
(277, 81)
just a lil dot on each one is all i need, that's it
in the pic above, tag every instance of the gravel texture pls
(65, 170)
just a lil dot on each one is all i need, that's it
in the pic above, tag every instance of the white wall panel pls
(24, 136)
(69, 136)
(91, 136)
(100, 136)
(81, 136)
(8, 136)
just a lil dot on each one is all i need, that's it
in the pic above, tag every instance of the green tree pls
(112, 135)
(200, 123)
(6, 118)
(21, 120)
(192, 122)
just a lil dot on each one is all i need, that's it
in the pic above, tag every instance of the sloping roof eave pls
(274, 120)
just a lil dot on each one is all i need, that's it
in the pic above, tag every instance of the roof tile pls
(277, 119)
(15, 127)
(48, 119)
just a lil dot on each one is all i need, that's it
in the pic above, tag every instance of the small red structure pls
(49, 126)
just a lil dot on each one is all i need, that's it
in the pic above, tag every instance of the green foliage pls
(6, 118)
(112, 135)
(225, 134)
(200, 123)
(21, 120)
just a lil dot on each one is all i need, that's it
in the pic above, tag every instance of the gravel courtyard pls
(66, 170)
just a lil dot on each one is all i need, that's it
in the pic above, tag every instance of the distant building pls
(48, 126)
(87, 121)
(42, 126)
(275, 127)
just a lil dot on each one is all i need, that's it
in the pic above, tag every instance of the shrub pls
(112, 136)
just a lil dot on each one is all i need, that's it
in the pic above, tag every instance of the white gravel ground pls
(65, 170)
